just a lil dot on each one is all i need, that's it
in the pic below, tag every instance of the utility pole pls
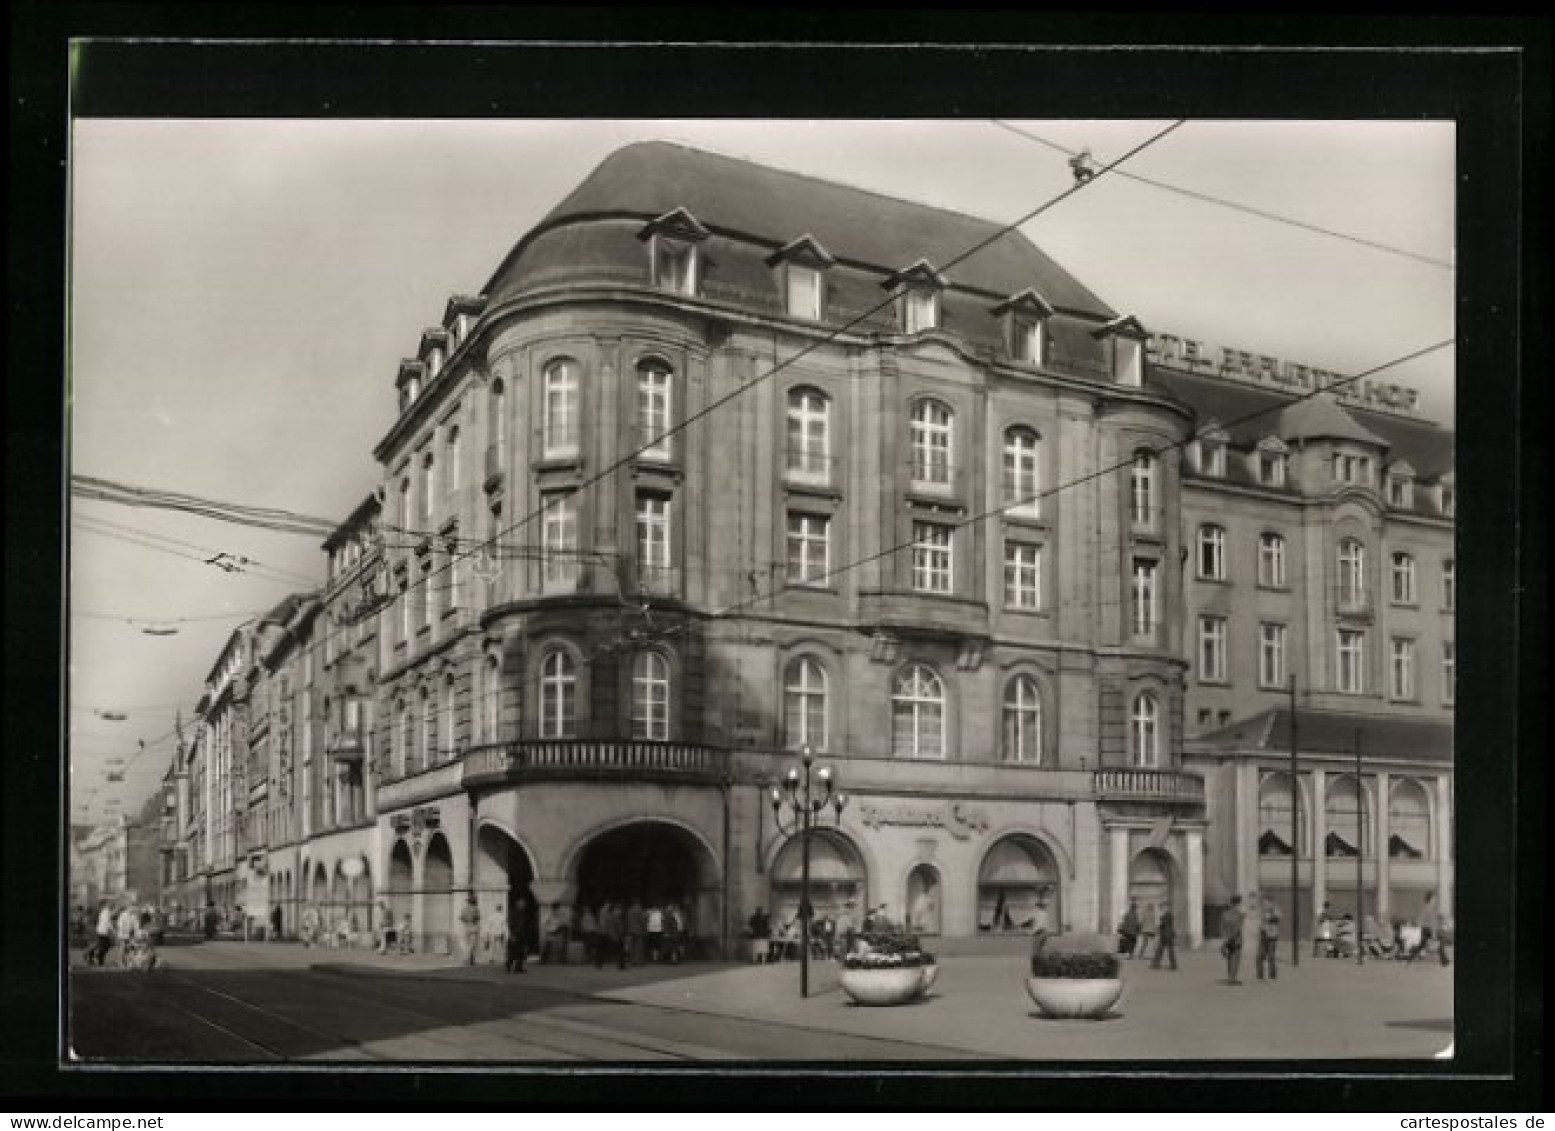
(1360, 857)
(1295, 836)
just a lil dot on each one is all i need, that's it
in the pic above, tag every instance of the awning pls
(1011, 864)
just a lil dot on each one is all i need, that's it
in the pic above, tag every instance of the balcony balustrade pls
(550, 759)
(1148, 785)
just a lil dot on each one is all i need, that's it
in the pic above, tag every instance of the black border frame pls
(1491, 75)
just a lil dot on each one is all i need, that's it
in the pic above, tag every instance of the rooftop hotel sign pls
(1234, 364)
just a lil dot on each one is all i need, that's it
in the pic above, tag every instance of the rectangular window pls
(1352, 654)
(1271, 655)
(674, 265)
(428, 491)
(428, 595)
(1027, 345)
(1215, 460)
(655, 561)
(455, 564)
(1403, 669)
(559, 426)
(1144, 597)
(1449, 671)
(558, 538)
(1022, 575)
(454, 469)
(1449, 584)
(1401, 493)
(931, 557)
(1271, 561)
(1142, 491)
(1212, 649)
(1403, 579)
(1271, 469)
(920, 309)
(804, 291)
(808, 548)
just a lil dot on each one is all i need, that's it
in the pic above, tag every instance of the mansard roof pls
(737, 198)
(1321, 418)
(1333, 732)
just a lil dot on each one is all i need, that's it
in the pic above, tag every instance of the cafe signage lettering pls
(1260, 369)
(958, 820)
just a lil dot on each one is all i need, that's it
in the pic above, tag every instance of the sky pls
(241, 293)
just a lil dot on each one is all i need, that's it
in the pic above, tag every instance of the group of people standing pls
(1140, 929)
(131, 931)
(627, 933)
(1255, 926)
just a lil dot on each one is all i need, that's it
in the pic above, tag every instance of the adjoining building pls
(725, 464)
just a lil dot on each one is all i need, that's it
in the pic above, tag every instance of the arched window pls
(1409, 822)
(1349, 831)
(496, 423)
(804, 704)
(1146, 729)
(558, 695)
(402, 739)
(1022, 720)
(559, 408)
(931, 442)
(1142, 492)
(653, 409)
(651, 697)
(1277, 803)
(809, 434)
(1022, 478)
(1271, 560)
(428, 751)
(1212, 552)
(918, 714)
(1352, 573)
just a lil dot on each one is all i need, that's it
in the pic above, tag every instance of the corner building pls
(699, 480)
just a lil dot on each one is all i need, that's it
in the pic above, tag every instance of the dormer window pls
(1124, 340)
(1447, 498)
(1210, 451)
(918, 289)
(1401, 487)
(1025, 318)
(1351, 468)
(674, 252)
(409, 382)
(802, 265)
(434, 362)
(1268, 462)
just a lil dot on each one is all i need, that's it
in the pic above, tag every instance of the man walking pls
(1268, 939)
(98, 955)
(1166, 938)
(518, 936)
(470, 923)
(1431, 928)
(1147, 929)
(125, 927)
(1231, 934)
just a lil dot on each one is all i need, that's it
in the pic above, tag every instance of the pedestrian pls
(844, 932)
(125, 927)
(98, 955)
(1431, 928)
(1231, 939)
(1166, 938)
(518, 936)
(636, 928)
(605, 939)
(1323, 938)
(653, 921)
(1268, 940)
(675, 933)
(275, 922)
(470, 924)
(385, 922)
(550, 927)
(310, 926)
(1252, 924)
(1128, 930)
(588, 927)
(209, 924)
(621, 935)
(407, 941)
(1147, 929)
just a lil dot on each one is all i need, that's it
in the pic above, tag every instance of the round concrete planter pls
(1075, 997)
(930, 976)
(891, 985)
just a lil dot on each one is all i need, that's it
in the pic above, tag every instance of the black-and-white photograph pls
(552, 591)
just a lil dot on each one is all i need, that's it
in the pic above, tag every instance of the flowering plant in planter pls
(1074, 975)
(883, 951)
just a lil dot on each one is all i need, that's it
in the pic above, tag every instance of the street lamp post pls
(806, 797)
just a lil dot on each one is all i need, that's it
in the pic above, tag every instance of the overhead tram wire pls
(267, 518)
(1123, 465)
(1237, 206)
(225, 560)
(829, 336)
(242, 559)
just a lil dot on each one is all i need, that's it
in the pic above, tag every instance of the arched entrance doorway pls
(657, 864)
(1151, 882)
(401, 874)
(923, 900)
(1018, 888)
(437, 898)
(503, 875)
(837, 880)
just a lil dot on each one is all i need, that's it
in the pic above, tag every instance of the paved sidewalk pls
(1325, 1009)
